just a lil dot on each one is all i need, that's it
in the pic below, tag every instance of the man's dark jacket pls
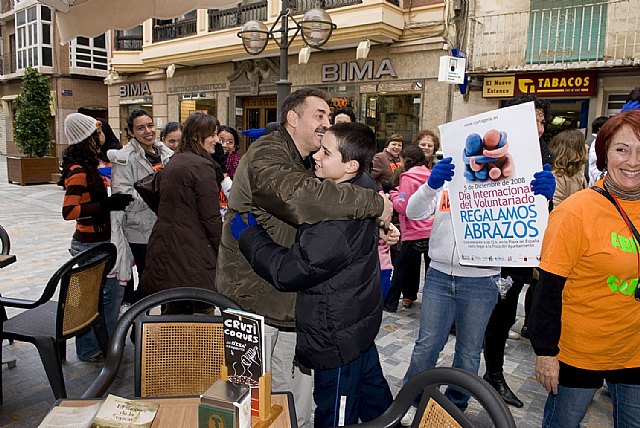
(334, 267)
(273, 184)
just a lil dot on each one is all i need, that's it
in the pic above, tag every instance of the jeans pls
(86, 343)
(569, 406)
(355, 391)
(467, 301)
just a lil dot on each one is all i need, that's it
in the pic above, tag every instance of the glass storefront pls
(189, 103)
(391, 114)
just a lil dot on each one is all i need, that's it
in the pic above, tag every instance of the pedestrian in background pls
(86, 201)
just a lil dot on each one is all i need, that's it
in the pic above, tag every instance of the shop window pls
(88, 52)
(615, 103)
(391, 114)
(566, 30)
(190, 104)
(34, 37)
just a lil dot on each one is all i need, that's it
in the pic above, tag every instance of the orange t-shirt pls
(587, 242)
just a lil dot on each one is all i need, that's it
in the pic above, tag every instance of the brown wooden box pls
(31, 170)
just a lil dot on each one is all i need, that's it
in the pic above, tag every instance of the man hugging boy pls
(334, 267)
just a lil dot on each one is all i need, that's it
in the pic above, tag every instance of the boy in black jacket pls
(334, 268)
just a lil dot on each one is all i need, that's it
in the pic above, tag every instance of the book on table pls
(117, 412)
(244, 350)
(114, 412)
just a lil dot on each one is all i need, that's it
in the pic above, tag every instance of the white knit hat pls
(78, 126)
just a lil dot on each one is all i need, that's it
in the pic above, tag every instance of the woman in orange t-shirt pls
(584, 325)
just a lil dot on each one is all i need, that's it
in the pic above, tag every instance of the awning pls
(91, 18)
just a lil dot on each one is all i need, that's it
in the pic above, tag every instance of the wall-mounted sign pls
(137, 89)
(67, 92)
(196, 88)
(348, 71)
(498, 86)
(573, 83)
(452, 69)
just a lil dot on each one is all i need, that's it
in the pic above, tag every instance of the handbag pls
(627, 220)
(149, 190)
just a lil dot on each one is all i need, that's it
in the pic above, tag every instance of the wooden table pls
(183, 411)
(6, 260)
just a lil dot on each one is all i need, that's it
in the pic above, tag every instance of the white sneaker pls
(513, 335)
(408, 417)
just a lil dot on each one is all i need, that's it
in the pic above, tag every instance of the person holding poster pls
(504, 314)
(453, 291)
(586, 308)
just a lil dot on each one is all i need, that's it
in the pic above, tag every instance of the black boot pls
(500, 384)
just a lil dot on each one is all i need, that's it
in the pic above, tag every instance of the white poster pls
(497, 220)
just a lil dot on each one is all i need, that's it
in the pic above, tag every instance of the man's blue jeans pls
(569, 406)
(445, 298)
(86, 343)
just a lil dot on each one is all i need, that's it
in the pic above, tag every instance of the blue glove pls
(544, 183)
(238, 225)
(630, 106)
(442, 171)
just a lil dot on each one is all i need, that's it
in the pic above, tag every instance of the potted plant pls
(32, 133)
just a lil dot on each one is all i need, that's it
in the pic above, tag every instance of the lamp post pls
(316, 28)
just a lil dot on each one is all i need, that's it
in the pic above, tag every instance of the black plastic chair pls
(5, 242)
(48, 324)
(435, 409)
(175, 354)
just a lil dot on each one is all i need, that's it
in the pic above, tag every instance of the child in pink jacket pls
(414, 233)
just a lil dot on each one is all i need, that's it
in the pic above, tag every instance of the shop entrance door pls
(257, 112)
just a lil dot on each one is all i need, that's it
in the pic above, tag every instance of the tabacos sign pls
(581, 84)
(352, 70)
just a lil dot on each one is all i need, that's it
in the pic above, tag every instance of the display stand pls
(267, 413)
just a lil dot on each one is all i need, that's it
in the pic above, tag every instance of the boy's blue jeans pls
(357, 390)
(445, 298)
(86, 343)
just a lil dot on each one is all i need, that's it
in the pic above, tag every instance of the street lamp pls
(316, 28)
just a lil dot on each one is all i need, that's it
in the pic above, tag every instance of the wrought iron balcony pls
(237, 16)
(594, 34)
(301, 6)
(129, 40)
(175, 30)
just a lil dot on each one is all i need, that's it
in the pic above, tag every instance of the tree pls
(31, 128)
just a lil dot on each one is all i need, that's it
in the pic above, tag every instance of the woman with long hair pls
(86, 201)
(183, 247)
(569, 158)
(230, 141)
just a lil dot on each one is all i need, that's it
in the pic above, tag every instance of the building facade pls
(197, 63)
(582, 56)
(76, 70)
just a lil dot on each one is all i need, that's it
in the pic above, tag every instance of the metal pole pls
(283, 86)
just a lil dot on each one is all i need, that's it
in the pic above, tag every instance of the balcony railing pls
(301, 6)
(175, 30)
(594, 34)
(237, 16)
(129, 40)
